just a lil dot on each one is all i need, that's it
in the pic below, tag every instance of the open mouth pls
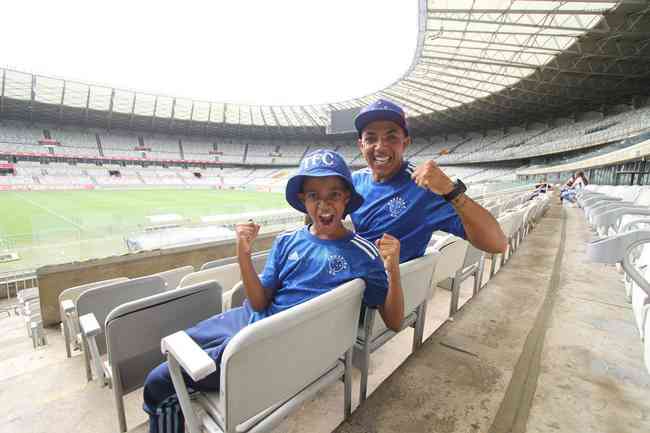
(326, 219)
(382, 160)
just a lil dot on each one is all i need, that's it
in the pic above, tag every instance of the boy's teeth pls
(381, 159)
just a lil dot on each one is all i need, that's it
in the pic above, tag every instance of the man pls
(410, 202)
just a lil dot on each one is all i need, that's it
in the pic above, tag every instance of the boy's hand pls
(389, 248)
(246, 234)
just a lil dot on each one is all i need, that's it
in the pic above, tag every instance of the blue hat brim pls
(365, 119)
(294, 187)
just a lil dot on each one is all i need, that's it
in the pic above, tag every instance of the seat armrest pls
(196, 363)
(67, 306)
(610, 217)
(630, 225)
(89, 325)
(614, 249)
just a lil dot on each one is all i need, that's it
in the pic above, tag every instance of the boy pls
(302, 264)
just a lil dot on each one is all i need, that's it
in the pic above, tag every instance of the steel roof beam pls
(519, 11)
(408, 102)
(514, 24)
(437, 112)
(61, 102)
(523, 47)
(459, 108)
(111, 102)
(419, 89)
(489, 32)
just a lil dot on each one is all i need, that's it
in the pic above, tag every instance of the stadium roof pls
(482, 64)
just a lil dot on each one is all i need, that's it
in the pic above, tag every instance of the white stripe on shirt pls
(365, 241)
(363, 248)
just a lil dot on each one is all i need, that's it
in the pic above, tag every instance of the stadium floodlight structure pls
(480, 64)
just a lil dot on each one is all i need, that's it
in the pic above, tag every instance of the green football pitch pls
(59, 226)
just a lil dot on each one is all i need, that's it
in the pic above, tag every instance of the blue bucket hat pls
(381, 109)
(321, 163)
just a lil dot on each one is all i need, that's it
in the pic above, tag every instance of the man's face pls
(383, 144)
(325, 199)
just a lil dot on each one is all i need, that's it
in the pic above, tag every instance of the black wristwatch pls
(459, 188)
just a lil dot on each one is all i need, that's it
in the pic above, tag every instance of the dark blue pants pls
(212, 335)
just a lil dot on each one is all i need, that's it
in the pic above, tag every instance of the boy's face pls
(383, 144)
(325, 199)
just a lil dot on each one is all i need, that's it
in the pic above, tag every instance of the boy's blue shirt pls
(402, 209)
(301, 266)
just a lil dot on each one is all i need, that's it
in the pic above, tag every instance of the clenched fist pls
(246, 234)
(388, 247)
(430, 176)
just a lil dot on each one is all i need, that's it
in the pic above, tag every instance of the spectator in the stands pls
(570, 190)
(407, 201)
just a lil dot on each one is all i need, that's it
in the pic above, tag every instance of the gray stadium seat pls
(93, 307)
(251, 399)
(416, 278)
(68, 311)
(134, 331)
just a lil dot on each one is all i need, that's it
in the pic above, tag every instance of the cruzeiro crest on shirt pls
(396, 206)
(337, 264)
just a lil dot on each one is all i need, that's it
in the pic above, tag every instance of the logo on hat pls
(318, 159)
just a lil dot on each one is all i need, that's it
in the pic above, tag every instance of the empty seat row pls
(620, 217)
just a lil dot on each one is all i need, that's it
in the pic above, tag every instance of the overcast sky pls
(253, 51)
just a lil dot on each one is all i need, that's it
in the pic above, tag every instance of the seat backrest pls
(134, 329)
(507, 223)
(452, 256)
(630, 193)
(643, 198)
(415, 278)
(101, 300)
(227, 275)
(495, 210)
(271, 360)
(258, 259)
(472, 256)
(73, 293)
(174, 276)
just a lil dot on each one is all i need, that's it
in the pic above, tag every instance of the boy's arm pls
(255, 292)
(392, 312)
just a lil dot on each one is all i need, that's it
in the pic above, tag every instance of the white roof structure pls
(477, 63)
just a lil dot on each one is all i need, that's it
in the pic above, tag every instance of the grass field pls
(58, 226)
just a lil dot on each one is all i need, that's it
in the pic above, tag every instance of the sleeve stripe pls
(363, 248)
(367, 243)
(288, 233)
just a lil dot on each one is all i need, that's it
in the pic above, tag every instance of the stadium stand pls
(625, 244)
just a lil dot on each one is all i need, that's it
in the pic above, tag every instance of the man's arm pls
(392, 312)
(482, 229)
(255, 292)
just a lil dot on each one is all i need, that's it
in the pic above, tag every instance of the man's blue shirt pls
(301, 266)
(402, 209)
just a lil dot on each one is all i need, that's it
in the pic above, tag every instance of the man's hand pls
(246, 234)
(389, 247)
(430, 176)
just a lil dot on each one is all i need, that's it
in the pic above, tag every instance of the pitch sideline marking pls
(33, 203)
